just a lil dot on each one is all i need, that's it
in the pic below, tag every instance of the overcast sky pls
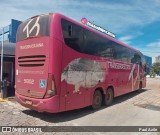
(135, 22)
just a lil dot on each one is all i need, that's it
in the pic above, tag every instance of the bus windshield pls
(34, 27)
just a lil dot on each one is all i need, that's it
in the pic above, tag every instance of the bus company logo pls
(118, 66)
(84, 20)
(37, 45)
(35, 26)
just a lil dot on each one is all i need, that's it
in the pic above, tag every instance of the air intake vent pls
(31, 61)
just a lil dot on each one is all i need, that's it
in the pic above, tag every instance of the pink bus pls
(63, 65)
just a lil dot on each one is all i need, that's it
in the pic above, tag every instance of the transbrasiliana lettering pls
(32, 46)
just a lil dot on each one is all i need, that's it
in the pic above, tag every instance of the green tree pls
(152, 73)
(156, 68)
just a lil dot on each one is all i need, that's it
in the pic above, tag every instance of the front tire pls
(97, 100)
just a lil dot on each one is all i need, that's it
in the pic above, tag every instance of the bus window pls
(123, 53)
(137, 59)
(72, 34)
(104, 47)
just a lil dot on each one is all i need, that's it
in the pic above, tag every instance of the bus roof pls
(58, 15)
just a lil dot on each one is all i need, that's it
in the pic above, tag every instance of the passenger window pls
(73, 35)
(87, 42)
(137, 59)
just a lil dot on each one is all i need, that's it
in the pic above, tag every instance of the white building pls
(158, 59)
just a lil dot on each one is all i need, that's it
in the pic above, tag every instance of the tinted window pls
(91, 43)
(85, 41)
(38, 26)
(123, 53)
(97, 45)
(73, 35)
(136, 58)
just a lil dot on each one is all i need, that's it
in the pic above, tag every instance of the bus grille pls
(31, 61)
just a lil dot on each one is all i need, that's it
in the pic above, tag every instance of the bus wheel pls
(109, 97)
(97, 100)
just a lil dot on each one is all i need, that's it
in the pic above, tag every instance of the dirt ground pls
(153, 83)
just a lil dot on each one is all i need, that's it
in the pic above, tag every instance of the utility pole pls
(2, 41)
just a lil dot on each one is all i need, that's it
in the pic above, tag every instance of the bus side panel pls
(73, 98)
(124, 84)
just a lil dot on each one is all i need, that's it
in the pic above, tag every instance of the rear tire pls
(109, 97)
(97, 100)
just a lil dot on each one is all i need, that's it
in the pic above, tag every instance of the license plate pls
(29, 102)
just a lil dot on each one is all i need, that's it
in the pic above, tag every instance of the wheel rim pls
(108, 98)
(97, 100)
